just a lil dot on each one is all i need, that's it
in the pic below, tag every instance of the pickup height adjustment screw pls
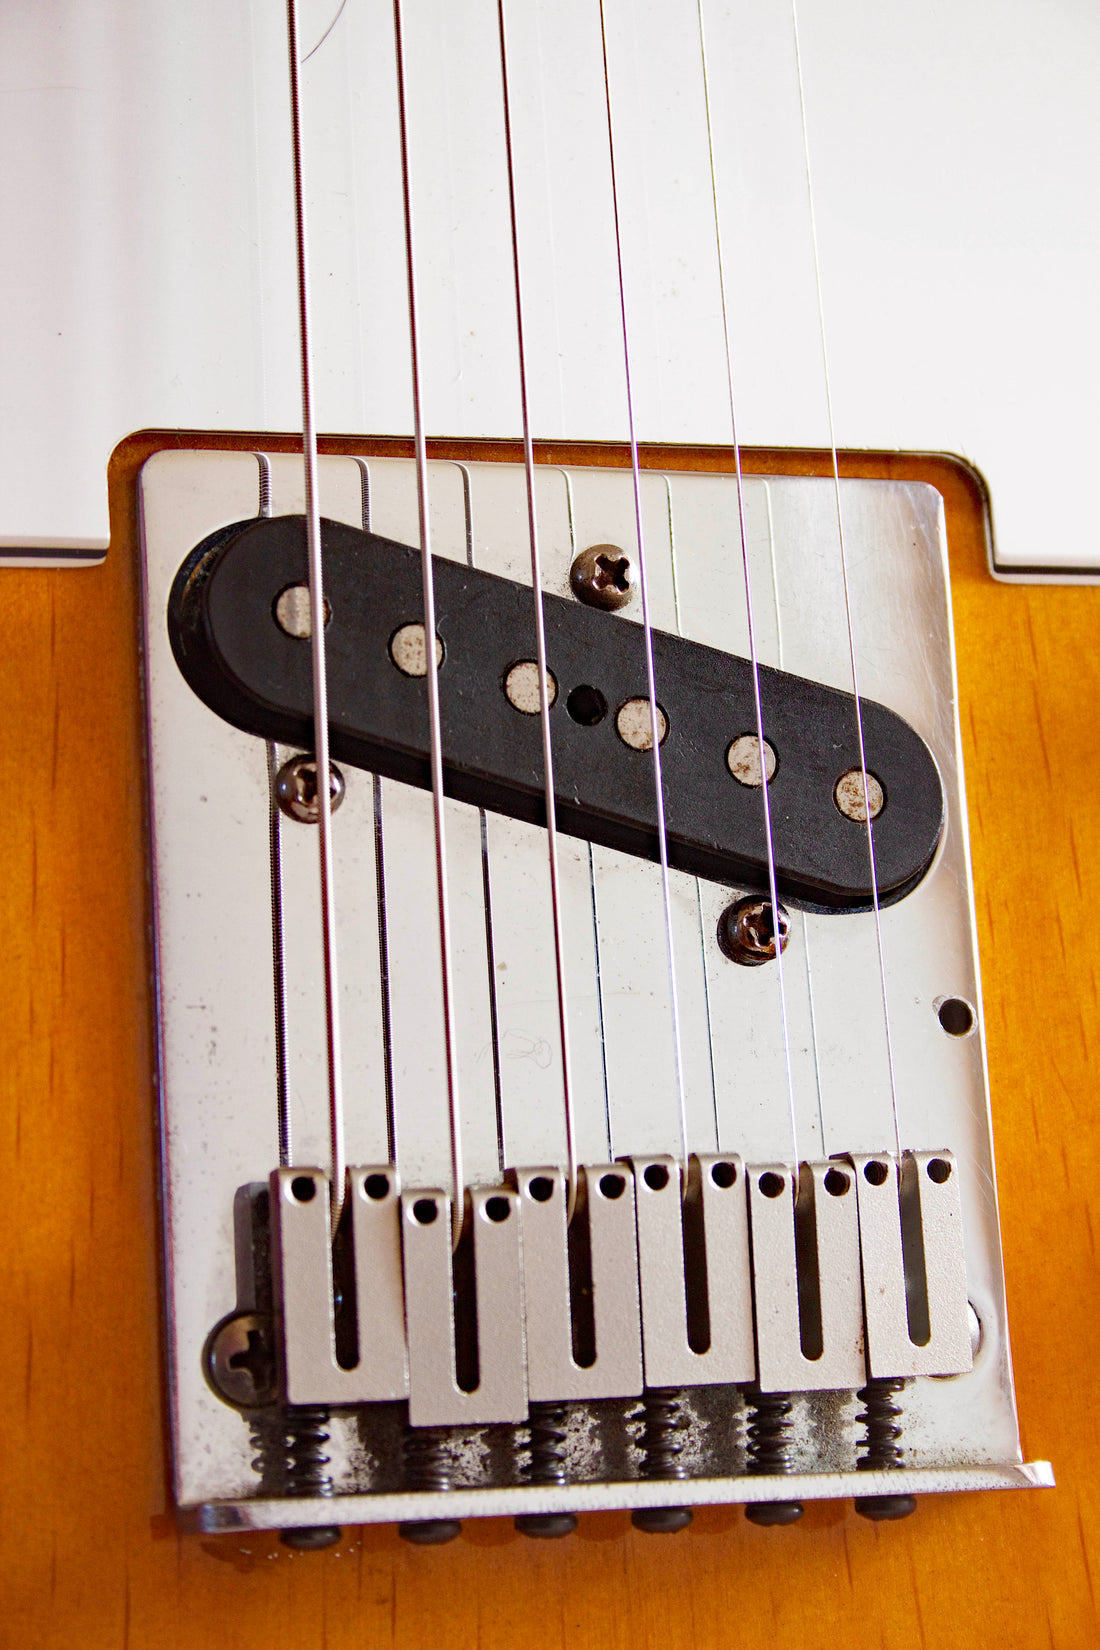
(603, 576)
(296, 789)
(746, 931)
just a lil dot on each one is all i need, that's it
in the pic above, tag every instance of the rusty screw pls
(296, 789)
(240, 1360)
(746, 931)
(603, 576)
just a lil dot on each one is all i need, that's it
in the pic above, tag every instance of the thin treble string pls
(804, 915)
(431, 670)
(758, 709)
(486, 878)
(651, 685)
(698, 884)
(540, 646)
(317, 627)
(378, 821)
(275, 869)
(844, 571)
(601, 1019)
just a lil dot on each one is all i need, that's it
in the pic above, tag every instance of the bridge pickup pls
(248, 668)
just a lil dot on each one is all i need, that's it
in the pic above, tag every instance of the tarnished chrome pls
(716, 1207)
(435, 1397)
(219, 1517)
(296, 789)
(748, 931)
(602, 576)
(303, 1245)
(805, 1223)
(910, 1232)
(616, 1367)
(222, 1048)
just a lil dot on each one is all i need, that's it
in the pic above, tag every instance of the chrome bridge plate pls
(212, 865)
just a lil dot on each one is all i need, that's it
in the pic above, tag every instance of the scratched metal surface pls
(214, 935)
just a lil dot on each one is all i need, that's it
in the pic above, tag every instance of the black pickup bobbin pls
(254, 670)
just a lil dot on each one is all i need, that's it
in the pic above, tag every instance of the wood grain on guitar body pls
(511, 876)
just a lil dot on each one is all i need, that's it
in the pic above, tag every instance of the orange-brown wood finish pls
(90, 1555)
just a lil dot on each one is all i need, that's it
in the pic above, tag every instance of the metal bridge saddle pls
(251, 670)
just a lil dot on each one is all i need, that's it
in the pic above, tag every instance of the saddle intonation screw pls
(879, 1418)
(428, 1468)
(662, 1424)
(306, 1436)
(770, 1453)
(548, 1437)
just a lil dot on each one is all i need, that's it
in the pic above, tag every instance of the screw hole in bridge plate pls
(425, 1210)
(377, 1186)
(939, 1170)
(612, 1185)
(955, 1016)
(656, 1177)
(541, 1188)
(837, 1182)
(723, 1175)
(497, 1208)
(586, 705)
(771, 1184)
(876, 1174)
(303, 1188)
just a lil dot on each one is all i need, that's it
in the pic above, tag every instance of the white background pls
(147, 275)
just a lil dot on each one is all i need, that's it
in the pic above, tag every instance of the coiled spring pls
(548, 1437)
(662, 1418)
(769, 1432)
(306, 1436)
(427, 1461)
(879, 1418)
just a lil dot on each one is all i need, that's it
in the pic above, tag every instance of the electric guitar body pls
(161, 872)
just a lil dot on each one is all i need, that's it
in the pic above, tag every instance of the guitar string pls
(754, 655)
(458, 1209)
(275, 880)
(379, 844)
(804, 916)
(593, 902)
(696, 880)
(643, 582)
(540, 646)
(846, 581)
(317, 642)
(486, 876)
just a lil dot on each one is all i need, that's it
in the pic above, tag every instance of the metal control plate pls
(210, 813)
